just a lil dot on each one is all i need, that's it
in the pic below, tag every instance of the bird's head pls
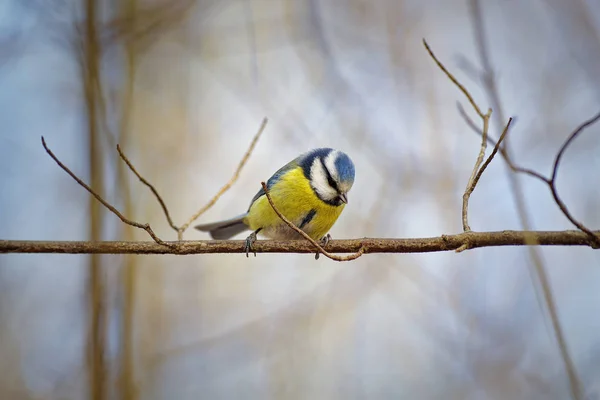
(331, 174)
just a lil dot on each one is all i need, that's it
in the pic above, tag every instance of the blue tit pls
(311, 191)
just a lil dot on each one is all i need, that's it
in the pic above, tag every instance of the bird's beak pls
(344, 198)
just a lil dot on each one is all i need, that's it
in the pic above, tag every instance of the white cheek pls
(330, 164)
(318, 178)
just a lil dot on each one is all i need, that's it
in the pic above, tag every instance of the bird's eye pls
(330, 179)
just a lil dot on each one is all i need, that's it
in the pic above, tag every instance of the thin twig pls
(484, 139)
(513, 167)
(572, 137)
(493, 154)
(455, 81)
(471, 124)
(212, 201)
(289, 223)
(150, 186)
(471, 183)
(488, 78)
(551, 182)
(145, 227)
(228, 185)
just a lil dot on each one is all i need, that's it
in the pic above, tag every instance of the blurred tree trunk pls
(91, 82)
(127, 380)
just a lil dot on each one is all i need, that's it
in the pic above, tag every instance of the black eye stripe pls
(329, 177)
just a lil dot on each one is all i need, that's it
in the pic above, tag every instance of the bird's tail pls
(223, 230)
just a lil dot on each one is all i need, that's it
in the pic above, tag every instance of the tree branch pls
(487, 76)
(497, 146)
(369, 245)
(502, 149)
(472, 179)
(150, 186)
(214, 199)
(460, 242)
(485, 118)
(145, 227)
(455, 81)
(228, 185)
(551, 182)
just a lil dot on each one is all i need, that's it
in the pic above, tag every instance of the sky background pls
(352, 75)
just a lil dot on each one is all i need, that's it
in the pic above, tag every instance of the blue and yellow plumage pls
(311, 191)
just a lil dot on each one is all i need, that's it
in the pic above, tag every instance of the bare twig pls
(502, 150)
(488, 78)
(289, 223)
(145, 227)
(213, 200)
(369, 245)
(569, 140)
(493, 154)
(552, 181)
(471, 183)
(471, 123)
(150, 186)
(455, 81)
(228, 185)
(485, 118)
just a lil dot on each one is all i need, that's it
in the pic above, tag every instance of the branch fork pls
(146, 227)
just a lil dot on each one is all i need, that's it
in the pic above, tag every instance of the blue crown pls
(343, 163)
(345, 168)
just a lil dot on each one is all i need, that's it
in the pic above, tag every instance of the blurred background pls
(183, 85)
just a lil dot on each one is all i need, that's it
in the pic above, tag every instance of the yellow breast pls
(295, 199)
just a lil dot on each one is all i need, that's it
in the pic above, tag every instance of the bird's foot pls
(249, 242)
(323, 242)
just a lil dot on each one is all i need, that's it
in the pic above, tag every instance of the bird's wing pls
(274, 178)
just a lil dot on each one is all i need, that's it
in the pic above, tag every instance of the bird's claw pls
(249, 242)
(323, 242)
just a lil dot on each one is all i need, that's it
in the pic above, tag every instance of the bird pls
(311, 191)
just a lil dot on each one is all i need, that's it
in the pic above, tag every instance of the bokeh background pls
(183, 87)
